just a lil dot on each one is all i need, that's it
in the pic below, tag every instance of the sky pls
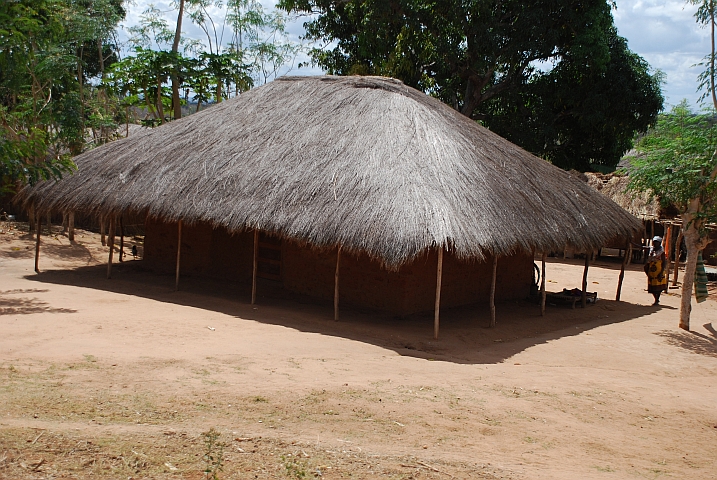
(663, 32)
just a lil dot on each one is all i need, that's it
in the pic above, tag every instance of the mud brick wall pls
(412, 289)
(215, 253)
(206, 251)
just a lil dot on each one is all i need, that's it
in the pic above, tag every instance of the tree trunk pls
(712, 57)
(77, 144)
(176, 103)
(694, 245)
(678, 252)
(102, 231)
(160, 107)
(687, 282)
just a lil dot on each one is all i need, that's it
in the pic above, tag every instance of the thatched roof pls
(642, 205)
(365, 162)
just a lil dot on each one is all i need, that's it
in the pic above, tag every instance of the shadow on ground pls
(11, 305)
(694, 342)
(464, 336)
(50, 246)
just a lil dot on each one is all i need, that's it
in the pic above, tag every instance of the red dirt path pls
(119, 379)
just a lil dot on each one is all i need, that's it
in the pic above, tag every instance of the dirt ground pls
(128, 379)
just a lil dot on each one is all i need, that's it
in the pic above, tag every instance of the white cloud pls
(664, 33)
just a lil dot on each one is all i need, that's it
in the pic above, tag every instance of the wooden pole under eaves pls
(543, 296)
(111, 243)
(37, 243)
(121, 248)
(179, 254)
(71, 225)
(584, 299)
(336, 285)
(254, 266)
(628, 254)
(492, 291)
(437, 308)
(667, 244)
(32, 217)
(102, 230)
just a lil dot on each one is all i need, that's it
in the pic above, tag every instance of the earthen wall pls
(213, 252)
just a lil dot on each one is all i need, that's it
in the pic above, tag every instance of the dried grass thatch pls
(643, 205)
(364, 162)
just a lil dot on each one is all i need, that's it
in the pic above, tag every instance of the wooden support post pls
(667, 242)
(584, 300)
(179, 253)
(255, 266)
(121, 250)
(542, 286)
(71, 225)
(32, 220)
(492, 291)
(64, 222)
(437, 308)
(38, 228)
(49, 222)
(625, 261)
(111, 243)
(678, 252)
(102, 231)
(336, 285)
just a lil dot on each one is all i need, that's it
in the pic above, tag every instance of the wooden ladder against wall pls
(269, 257)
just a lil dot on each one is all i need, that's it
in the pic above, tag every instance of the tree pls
(537, 73)
(48, 51)
(680, 167)
(681, 163)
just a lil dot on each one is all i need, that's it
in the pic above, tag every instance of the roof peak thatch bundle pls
(365, 162)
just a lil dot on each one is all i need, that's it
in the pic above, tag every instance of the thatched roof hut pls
(302, 169)
(364, 162)
(642, 205)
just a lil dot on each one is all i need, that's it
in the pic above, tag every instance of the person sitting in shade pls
(655, 270)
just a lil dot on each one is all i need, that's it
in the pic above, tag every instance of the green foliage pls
(152, 31)
(210, 71)
(551, 75)
(679, 163)
(213, 454)
(705, 16)
(294, 467)
(49, 52)
(578, 115)
(142, 80)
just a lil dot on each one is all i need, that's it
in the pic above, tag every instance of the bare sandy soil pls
(125, 378)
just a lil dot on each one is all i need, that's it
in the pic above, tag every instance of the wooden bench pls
(566, 298)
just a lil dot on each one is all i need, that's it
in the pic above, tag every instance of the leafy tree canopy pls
(679, 165)
(552, 76)
(48, 51)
